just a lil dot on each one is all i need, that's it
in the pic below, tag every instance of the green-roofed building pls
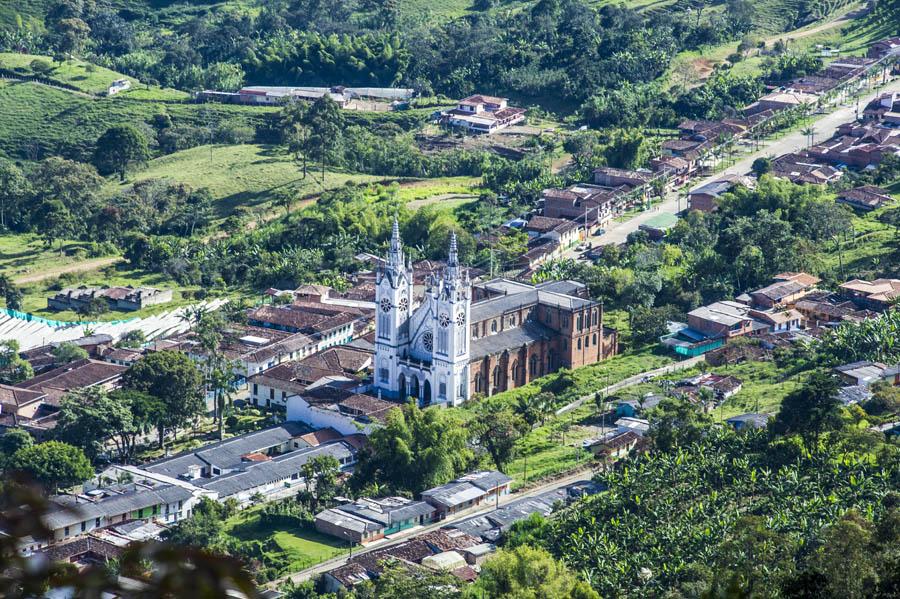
(657, 226)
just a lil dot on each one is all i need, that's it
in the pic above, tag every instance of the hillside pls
(240, 175)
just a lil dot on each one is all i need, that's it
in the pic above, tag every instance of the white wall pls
(298, 410)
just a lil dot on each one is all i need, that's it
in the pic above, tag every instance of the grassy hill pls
(86, 77)
(38, 120)
(240, 175)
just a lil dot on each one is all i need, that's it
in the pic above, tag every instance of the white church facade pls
(459, 339)
(422, 350)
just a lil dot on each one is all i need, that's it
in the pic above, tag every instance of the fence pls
(59, 324)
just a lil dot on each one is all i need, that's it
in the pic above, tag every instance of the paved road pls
(618, 232)
(402, 538)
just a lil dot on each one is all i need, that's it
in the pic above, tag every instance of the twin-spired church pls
(463, 338)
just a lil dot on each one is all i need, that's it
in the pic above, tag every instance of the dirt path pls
(824, 26)
(84, 266)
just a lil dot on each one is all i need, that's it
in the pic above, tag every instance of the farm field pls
(38, 120)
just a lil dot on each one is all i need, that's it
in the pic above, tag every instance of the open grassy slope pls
(38, 120)
(241, 175)
(88, 78)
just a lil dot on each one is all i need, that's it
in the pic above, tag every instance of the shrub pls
(40, 67)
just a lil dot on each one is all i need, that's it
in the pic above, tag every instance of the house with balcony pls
(483, 114)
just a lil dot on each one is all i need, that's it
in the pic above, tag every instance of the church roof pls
(529, 332)
(497, 306)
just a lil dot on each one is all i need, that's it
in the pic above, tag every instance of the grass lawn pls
(26, 254)
(240, 175)
(552, 448)
(36, 294)
(302, 547)
(592, 378)
(448, 191)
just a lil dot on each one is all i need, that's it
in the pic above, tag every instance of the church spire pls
(395, 258)
(451, 273)
(453, 260)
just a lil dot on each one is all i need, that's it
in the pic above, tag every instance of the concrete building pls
(467, 492)
(366, 520)
(116, 298)
(483, 114)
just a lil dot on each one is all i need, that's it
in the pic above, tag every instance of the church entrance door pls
(426, 393)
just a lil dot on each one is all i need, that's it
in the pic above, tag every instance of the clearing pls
(25, 258)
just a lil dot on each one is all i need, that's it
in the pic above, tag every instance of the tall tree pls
(53, 464)
(67, 352)
(13, 369)
(812, 409)
(90, 417)
(118, 148)
(529, 572)
(14, 189)
(414, 450)
(12, 441)
(320, 474)
(173, 379)
(326, 123)
(676, 423)
(497, 428)
(54, 221)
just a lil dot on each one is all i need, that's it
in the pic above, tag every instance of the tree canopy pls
(415, 450)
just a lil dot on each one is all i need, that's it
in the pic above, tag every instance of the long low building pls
(467, 492)
(267, 463)
(366, 520)
(73, 515)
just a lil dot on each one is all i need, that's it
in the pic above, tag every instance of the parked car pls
(599, 232)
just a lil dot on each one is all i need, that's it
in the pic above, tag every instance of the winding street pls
(825, 127)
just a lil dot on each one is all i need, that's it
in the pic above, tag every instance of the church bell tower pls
(393, 304)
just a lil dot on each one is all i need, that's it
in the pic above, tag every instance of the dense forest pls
(564, 53)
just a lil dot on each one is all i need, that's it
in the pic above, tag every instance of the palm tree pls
(810, 133)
